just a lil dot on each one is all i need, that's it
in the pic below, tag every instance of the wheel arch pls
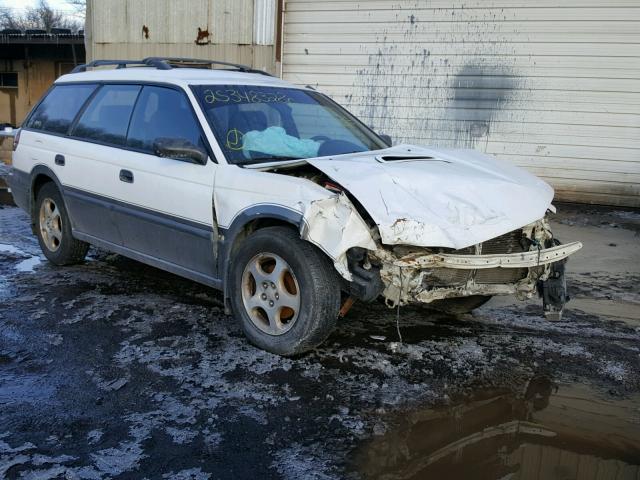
(40, 175)
(247, 222)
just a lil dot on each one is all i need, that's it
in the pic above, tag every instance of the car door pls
(44, 140)
(91, 162)
(165, 209)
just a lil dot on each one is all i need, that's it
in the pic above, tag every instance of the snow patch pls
(25, 266)
(28, 265)
(190, 474)
(298, 462)
(116, 461)
(615, 370)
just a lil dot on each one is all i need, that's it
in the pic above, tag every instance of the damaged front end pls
(521, 262)
(385, 249)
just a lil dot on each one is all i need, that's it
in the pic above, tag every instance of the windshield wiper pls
(273, 158)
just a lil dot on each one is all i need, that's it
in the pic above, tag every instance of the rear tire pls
(284, 292)
(459, 305)
(53, 228)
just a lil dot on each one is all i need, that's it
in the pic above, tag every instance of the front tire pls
(53, 228)
(284, 292)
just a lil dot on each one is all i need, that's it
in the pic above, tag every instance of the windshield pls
(261, 124)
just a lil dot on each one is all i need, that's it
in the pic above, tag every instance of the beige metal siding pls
(135, 29)
(264, 22)
(551, 86)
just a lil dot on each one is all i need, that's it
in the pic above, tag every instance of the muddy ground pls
(112, 369)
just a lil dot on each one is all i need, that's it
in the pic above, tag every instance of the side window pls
(57, 111)
(107, 117)
(162, 113)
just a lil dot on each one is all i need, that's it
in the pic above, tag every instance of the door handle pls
(59, 159)
(126, 176)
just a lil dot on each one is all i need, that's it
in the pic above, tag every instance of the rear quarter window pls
(58, 109)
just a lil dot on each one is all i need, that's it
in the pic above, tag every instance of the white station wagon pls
(277, 196)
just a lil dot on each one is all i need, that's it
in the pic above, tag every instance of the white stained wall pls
(551, 86)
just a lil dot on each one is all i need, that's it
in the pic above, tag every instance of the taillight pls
(16, 139)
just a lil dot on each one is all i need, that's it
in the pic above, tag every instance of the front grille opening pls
(512, 242)
(493, 276)
(446, 277)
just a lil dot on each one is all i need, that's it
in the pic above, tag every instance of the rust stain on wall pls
(203, 37)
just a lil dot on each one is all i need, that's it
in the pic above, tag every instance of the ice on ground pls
(115, 461)
(94, 436)
(10, 249)
(615, 370)
(28, 265)
(189, 474)
(25, 266)
(296, 462)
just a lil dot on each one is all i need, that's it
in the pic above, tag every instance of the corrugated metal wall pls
(230, 30)
(552, 86)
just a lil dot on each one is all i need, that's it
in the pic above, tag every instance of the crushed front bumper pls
(422, 275)
(533, 258)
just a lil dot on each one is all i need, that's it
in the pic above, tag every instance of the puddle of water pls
(549, 432)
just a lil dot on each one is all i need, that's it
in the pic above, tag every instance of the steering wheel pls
(320, 138)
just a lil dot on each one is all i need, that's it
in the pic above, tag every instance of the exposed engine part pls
(366, 283)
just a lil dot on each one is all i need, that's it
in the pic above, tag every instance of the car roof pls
(182, 76)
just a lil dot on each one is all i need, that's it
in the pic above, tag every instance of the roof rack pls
(168, 63)
(191, 62)
(120, 64)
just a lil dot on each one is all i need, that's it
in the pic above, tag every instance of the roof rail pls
(167, 63)
(121, 64)
(190, 62)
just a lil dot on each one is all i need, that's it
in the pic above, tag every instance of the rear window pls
(57, 111)
(106, 118)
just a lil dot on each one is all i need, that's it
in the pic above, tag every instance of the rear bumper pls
(533, 258)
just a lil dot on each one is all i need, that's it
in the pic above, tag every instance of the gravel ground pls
(112, 369)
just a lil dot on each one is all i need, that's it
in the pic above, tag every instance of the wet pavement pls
(112, 369)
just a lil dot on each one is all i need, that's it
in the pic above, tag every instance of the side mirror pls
(180, 149)
(386, 139)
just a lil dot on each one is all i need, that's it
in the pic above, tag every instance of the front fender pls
(332, 224)
(323, 218)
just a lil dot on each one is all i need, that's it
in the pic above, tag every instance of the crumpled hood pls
(456, 198)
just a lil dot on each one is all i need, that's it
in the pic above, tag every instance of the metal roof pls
(41, 38)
